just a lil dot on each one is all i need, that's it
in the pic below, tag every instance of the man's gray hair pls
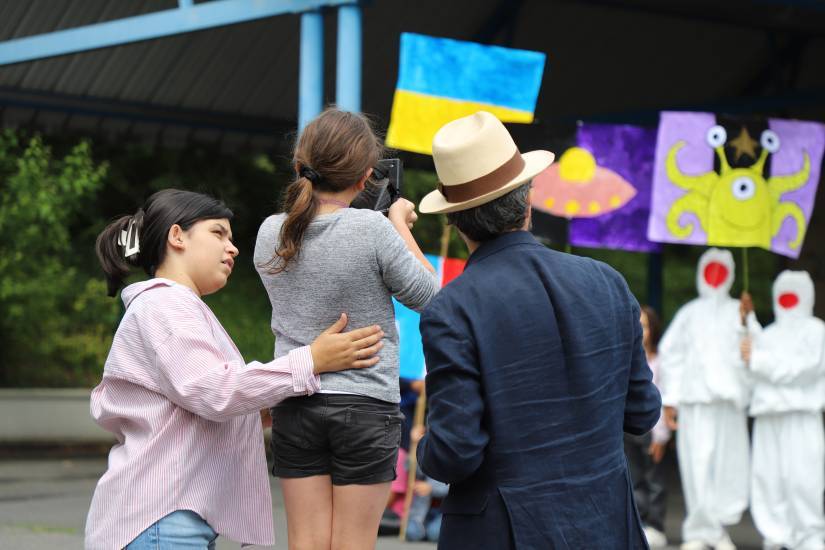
(489, 220)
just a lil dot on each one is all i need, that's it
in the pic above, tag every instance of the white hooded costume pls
(703, 375)
(788, 366)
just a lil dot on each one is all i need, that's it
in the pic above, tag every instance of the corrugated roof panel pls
(277, 70)
(42, 16)
(219, 71)
(83, 68)
(251, 56)
(153, 68)
(12, 15)
(198, 57)
(45, 74)
(275, 94)
(37, 20)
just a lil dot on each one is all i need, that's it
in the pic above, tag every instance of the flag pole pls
(745, 272)
(418, 419)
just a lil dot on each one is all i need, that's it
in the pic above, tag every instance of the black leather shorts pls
(352, 438)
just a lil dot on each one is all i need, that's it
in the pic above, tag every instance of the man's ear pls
(175, 237)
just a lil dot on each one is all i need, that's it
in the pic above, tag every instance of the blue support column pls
(348, 69)
(311, 77)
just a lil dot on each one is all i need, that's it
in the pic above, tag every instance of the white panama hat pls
(477, 161)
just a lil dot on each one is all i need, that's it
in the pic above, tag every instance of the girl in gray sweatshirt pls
(335, 451)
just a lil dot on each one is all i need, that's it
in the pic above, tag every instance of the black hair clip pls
(310, 174)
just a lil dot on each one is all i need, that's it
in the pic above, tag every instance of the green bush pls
(56, 323)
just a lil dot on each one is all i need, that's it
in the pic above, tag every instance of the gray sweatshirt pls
(351, 261)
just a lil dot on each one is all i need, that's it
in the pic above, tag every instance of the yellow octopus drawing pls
(738, 206)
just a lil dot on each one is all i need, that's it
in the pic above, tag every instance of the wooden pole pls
(418, 420)
(745, 270)
(445, 240)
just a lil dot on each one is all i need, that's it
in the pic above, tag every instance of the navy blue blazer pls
(535, 368)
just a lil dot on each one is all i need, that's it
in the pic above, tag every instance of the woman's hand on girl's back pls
(402, 212)
(334, 350)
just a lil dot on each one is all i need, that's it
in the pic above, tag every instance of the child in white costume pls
(788, 364)
(704, 377)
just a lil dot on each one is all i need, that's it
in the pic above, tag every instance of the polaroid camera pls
(382, 188)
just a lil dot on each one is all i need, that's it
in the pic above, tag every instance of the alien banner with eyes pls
(721, 182)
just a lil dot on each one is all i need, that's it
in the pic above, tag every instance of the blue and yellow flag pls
(440, 80)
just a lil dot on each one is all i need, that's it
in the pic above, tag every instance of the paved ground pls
(43, 505)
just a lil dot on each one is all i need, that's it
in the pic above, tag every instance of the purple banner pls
(627, 151)
(735, 182)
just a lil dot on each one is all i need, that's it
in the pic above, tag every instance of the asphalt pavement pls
(43, 505)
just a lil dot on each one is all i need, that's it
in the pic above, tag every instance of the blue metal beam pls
(348, 67)
(311, 67)
(187, 18)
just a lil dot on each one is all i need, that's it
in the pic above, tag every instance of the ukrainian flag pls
(440, 80)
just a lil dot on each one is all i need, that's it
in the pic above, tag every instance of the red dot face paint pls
(788, 300)
(715, 274)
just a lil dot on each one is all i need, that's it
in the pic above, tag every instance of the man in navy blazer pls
(535, 367)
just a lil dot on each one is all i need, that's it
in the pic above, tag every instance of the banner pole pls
(745, 271)
(420, 408)
(445, 240)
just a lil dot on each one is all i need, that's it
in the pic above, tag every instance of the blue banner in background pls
(410, 350)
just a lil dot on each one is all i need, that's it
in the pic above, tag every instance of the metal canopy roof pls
(238, 85)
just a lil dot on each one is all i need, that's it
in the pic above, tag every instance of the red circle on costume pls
(715, 274)
(788, 300)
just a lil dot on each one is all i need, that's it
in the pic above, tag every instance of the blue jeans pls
(180, 529)
(424, 522)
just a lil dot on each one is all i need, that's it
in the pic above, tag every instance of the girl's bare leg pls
(356, 513)
(308, 502)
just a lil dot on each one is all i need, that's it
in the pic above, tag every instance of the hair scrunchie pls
(310, 174)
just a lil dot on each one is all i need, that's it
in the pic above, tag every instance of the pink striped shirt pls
(183, 406)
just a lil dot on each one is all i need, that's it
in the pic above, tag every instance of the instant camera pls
(382, 188)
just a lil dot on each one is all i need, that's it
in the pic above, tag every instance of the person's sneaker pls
(693, 545)
(725, 543)
(655, 538)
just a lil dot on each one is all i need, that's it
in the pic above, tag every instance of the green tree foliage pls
(55, 321)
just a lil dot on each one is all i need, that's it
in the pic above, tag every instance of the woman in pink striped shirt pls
(189, 462)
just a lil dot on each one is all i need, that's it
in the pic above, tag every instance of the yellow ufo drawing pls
(576, 187)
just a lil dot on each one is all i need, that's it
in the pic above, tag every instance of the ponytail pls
(301, 205)
(112, 249)
(333, 152)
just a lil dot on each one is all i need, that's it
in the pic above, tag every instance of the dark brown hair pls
(151, 227)
(333, 152)
(654, 327)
